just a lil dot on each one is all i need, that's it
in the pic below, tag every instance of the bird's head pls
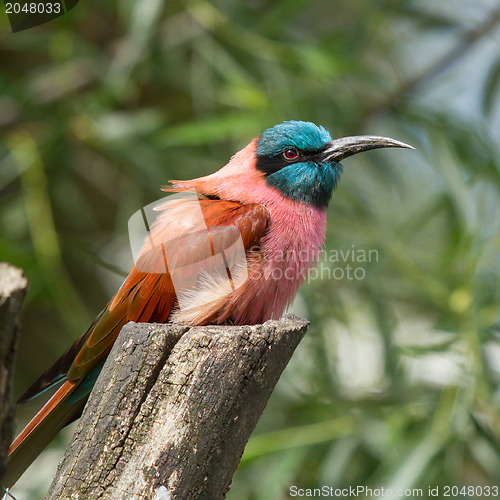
(294, 159)
(302, 161)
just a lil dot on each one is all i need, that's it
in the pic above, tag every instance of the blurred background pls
(397, 381)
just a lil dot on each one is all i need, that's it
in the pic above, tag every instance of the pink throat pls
(290, 248)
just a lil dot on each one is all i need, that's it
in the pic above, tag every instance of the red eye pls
(290, 154)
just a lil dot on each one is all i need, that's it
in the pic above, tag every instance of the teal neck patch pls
(308, 182)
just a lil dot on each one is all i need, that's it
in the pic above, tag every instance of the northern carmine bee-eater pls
(273, 194)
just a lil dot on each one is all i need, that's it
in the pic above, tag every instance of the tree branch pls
(173, 410)
(13, 287)
(466, 41)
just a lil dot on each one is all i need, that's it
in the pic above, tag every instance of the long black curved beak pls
(344, 147)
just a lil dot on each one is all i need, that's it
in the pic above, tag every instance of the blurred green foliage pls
(396, 383)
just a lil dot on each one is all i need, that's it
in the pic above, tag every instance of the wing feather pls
(148, 295)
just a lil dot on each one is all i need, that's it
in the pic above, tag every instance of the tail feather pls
(41, 430)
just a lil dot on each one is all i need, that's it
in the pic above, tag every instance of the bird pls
(269, 203)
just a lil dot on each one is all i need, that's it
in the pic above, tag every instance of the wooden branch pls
(173, 410)
(13, 287)
(465, 43)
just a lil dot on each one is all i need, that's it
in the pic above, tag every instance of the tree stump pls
(173, 409)
(13, 287)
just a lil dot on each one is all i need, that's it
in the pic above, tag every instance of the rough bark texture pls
(13, 286)
(173, 409)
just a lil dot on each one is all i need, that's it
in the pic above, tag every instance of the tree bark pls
(173, 409)
(13, 287)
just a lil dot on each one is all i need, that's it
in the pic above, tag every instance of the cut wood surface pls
(172, 410)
